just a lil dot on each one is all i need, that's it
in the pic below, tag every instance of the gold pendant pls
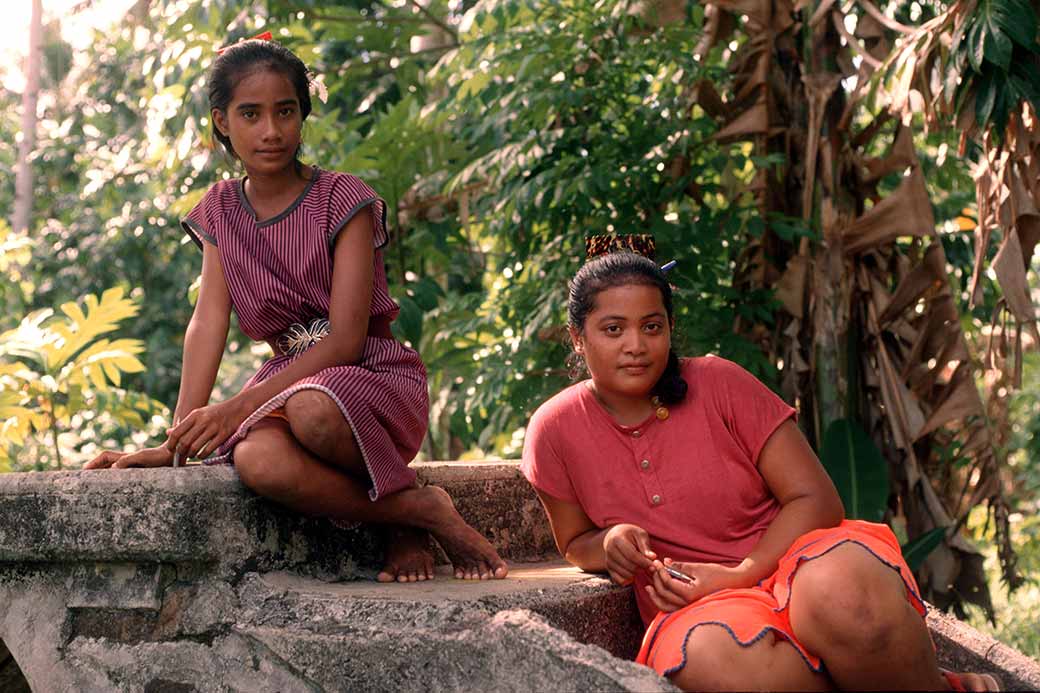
(660, 411)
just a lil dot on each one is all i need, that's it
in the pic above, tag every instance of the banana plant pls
(54, 367)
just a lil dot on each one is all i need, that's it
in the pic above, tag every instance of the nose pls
(270, 131)
(634, 342)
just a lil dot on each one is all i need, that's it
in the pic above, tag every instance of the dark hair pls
(621, 269)
(245, 57)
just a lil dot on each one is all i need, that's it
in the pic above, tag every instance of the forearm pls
(204, 342)
(586, 551)
(796, 517)
(322, 355)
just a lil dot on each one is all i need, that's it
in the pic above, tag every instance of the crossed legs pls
(312, 464)
(849, 609)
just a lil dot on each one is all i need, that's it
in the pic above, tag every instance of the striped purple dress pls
(279, 275)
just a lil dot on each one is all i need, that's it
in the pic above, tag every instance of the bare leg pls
(272, 462)
(318, 425)
(716, 662)
(851, 610)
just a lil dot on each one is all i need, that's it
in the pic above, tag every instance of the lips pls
(270, 152)
(635, 368)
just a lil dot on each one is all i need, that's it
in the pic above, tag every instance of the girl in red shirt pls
(690, 479)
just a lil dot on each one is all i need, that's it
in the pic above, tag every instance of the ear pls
(576, 340)
(219, 120)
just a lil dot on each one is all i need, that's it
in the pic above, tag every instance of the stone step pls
(180, 580)
(203, 515)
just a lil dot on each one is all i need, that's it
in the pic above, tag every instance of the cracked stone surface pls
(174, 581)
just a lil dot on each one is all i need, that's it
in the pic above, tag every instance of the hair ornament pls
(264, 36)
(639, 243)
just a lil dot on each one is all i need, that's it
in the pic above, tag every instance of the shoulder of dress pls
(562, 406)
(346, 184)
(221, 194)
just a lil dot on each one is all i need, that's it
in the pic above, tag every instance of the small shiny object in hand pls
(678, 575)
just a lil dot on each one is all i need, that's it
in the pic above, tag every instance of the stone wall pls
(181, 580)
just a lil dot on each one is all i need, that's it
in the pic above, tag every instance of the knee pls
(314, 419)
(259, 468)
(849, 597)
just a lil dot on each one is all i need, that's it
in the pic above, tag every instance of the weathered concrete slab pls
(963, 648)
(181, 580)
(203, 515)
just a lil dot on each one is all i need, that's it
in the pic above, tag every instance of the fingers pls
(667, 589)
(642, 540)
(636, 552)
(661, 604)
(104, 460)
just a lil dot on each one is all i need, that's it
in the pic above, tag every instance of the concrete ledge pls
(182, 580)
(203, 515)
(962, 648)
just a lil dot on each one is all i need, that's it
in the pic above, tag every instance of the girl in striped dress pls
(328, 425)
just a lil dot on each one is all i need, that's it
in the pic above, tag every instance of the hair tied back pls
(264, 36)
(639, 243)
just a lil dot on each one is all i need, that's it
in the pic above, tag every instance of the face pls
(263, 122)
(625, 340)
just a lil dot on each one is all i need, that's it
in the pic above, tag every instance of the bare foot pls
(966, 681)
(408, 555)
(473, 556)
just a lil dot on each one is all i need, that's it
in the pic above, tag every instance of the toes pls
(386, 576)
(501, 570)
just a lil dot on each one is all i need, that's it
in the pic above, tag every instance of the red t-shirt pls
(691, 481)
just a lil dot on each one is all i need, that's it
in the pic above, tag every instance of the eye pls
(612, 330)
(653, 327)
(248, 115)
(287, 111)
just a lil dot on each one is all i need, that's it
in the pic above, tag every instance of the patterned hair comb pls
(640, 243)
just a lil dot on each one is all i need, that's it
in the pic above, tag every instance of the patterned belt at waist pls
(298, 338)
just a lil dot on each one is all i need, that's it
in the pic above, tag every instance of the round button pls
(636, 434)
(656, 499)
(645, 464)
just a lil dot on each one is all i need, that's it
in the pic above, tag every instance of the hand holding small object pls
(677, 574)
(627, 549)
(675, 584)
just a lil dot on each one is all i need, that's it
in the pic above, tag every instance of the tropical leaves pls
(53, 367)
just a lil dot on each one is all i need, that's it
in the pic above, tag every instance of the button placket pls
(647, 473)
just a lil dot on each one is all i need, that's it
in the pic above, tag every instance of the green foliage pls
(997, 52)
(53, 368)
(916, 550)
(857, 468)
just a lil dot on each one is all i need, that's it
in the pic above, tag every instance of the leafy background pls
(501, 134)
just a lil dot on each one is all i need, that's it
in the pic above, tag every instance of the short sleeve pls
(198, 223)
(541, 465)
(350, 195)
(752, 411)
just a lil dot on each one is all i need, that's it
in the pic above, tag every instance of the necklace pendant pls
(661, 413)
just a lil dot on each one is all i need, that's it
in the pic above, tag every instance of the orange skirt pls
(750, 614)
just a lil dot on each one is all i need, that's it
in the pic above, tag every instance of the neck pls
(274, 185)
(626, 410)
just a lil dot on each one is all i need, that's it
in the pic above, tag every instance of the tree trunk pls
(23, 177)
